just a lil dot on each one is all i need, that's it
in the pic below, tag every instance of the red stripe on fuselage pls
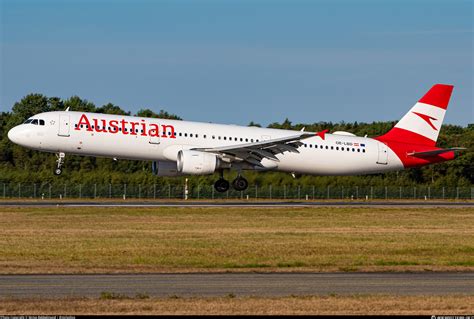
(403, 142)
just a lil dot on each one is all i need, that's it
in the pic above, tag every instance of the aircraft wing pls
(436, 152)
(253, 153)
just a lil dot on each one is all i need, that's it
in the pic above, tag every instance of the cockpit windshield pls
(34, 121)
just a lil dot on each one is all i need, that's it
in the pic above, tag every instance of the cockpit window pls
(34, 122)
(28, 121)
(41, 122)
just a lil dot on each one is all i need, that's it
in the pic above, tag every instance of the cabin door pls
(383, 154)
(63, 125)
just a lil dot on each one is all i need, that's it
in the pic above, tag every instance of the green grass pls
(87, 240)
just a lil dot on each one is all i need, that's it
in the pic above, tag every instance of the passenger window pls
(225, 138)
(185, 134)
(358, 150)
(205, 135)
(213, 137)
(219, 137)
(251, 140)
(327, 147)
(191, 135)
(180, 134)
(34, 122)
(353, 150)
(363, 151)
(246, 139)
(337, 148)
(41, 122)
(342, 148)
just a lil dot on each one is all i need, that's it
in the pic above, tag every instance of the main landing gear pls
(60, 162)
(222, 185)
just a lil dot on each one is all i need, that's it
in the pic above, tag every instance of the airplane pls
(179, 148)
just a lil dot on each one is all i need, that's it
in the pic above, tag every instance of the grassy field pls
(330, 305)
(107, 240)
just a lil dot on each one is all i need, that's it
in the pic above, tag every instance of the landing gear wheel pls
(221, 185)
(60, 161)
(240, 184)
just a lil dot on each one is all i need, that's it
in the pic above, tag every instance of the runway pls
(238, 284)
(242, 203)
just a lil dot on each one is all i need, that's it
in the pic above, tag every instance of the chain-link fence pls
(160, 191)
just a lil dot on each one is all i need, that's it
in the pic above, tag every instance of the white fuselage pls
(111, 136)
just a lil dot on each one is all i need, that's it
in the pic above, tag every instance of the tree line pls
(20, 165)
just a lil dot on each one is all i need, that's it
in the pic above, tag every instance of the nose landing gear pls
(60, 162)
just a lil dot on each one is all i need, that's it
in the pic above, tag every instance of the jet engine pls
(197, 163)
(164, 168)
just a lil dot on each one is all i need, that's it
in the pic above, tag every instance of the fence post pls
(443, 192)
(400, 192)
(4, 191)
(80, 190)
(65, 190)
(34, 192)
(357, 192)
(328, 193)
(457, 192)
(154, 191)
(49, 190)
(169, 191)
(124, 191)
(313, 192)
(212, 191)
(110, 190)
(429, 192)
(299, 191)
(95, 191)
(342, 192)
(139, 191)
(386, 193)
(199, 191)
(256, 191)
(19, 190)
(270, 191)
(284, 191)
(414, 192)
(371, 192)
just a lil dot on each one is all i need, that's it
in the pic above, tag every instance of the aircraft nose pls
(15, 135)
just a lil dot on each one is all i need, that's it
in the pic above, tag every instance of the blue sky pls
(238, 61)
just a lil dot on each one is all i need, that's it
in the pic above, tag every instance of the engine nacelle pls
(197, 163)
(162, 168)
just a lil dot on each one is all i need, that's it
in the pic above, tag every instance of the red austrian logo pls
(427, 119)
(125, 127)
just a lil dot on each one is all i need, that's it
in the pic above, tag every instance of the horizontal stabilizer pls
(436, 152)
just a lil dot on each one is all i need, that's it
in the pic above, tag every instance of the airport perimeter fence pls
(159, 191)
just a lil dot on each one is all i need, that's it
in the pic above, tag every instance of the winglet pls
(322, 134)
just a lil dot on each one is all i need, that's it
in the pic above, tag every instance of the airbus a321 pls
(190, 148)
